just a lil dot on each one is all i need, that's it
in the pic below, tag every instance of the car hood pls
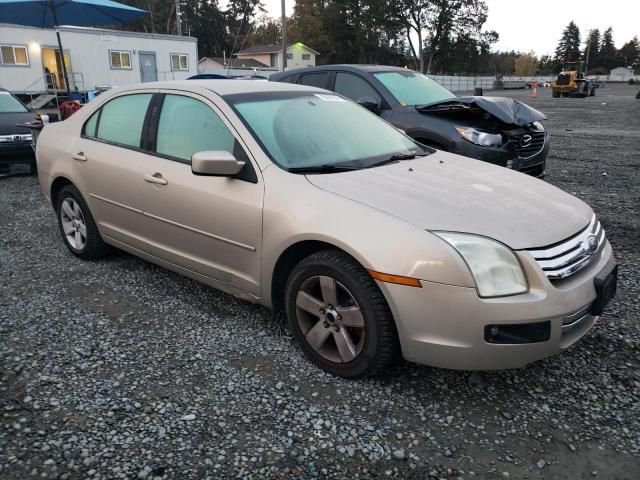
(448, 192)
(8, 122)
(508, 110)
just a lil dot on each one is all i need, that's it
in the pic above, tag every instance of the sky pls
(537, 25)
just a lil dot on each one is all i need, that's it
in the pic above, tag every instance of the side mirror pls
(215, 163)
(370, 104)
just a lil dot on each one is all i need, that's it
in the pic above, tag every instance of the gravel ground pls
(120, 369)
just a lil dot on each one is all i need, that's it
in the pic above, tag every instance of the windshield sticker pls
(329, 98)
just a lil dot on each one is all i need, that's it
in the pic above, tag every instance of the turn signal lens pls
(397, 279)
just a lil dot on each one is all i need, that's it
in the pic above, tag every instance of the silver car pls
(300, 200)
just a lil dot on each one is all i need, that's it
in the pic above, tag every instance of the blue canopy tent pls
(53, 13)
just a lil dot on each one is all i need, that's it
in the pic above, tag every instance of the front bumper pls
(534, 165)
(446, 326)
(16, 153)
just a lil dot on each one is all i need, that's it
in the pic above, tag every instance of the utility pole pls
(586, 61)
(178, 18)
(284, 37)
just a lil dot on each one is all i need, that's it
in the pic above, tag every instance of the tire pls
(77, 226)
(351, 332)
(555, 94)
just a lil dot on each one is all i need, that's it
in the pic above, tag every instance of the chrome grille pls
(570, 256)
(529, 144)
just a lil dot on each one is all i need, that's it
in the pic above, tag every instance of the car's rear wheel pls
(77, 226)
(339, 315)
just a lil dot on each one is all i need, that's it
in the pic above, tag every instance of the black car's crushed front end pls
(525, 143)
(530, 159)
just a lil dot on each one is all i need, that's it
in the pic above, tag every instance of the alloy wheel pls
(330, 319)
(73, 223)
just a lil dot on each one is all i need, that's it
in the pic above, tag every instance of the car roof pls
(342, 66)
(226, 86)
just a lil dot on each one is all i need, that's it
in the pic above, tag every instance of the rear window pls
(315, 79)
(289, 78)
(10, 104)
(120, 120)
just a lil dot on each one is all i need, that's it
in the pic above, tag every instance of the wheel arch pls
(287, 261)
(56, 186)
(434, 141)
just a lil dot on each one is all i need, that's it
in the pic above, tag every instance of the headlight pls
(480, 138)
(494, 267)
(538, 126)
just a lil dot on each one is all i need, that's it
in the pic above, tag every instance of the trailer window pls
(14, 55)
(120, 60)
(179, 61)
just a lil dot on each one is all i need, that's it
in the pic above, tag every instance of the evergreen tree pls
(568, 49)
(630, 53)
(608, 54)
(592, 49)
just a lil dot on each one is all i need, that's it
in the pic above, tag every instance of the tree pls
(547, 65)
(630, 53)
(608, 53)
(526, 65)
(568, 49)
(353, 31)
(443, 27)
(266, 31)
(592, 49)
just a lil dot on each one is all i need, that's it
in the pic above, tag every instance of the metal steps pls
(40, 101)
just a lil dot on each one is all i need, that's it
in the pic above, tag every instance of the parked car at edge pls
(298, 199)
(15, 141)
(498, 130)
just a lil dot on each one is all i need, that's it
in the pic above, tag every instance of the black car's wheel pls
(77, 226)
(339, 315)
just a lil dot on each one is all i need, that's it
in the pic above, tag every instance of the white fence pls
(455, 83)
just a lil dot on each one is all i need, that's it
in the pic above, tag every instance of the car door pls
(110, 166)
(354, 87)
(209, 225)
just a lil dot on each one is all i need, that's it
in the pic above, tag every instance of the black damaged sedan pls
(498, 130)
(15, 141)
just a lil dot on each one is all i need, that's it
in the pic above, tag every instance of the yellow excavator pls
(572, 82)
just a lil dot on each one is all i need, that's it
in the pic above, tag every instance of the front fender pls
(296, 211)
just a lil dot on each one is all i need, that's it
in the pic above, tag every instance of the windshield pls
(305, 130)
(10, 104)
(413, 88)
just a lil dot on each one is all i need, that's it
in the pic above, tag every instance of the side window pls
(90, 125)
(187, 126)
(122, 119)
(318, 79)
(354, 87)
(289, 79)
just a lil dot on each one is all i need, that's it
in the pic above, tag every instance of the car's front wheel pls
(339, 315)
(77, 226)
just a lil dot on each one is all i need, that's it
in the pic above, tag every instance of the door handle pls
(80, 156)
(155, 178)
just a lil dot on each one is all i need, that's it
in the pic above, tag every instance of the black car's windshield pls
(413, 88)
(314, 132)
(10, 104)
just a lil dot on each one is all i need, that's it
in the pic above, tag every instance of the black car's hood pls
(506, 109)
(8, 122)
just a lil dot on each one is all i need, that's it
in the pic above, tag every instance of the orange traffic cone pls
(534, 94)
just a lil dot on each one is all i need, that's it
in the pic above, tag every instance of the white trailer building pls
(30, 60)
